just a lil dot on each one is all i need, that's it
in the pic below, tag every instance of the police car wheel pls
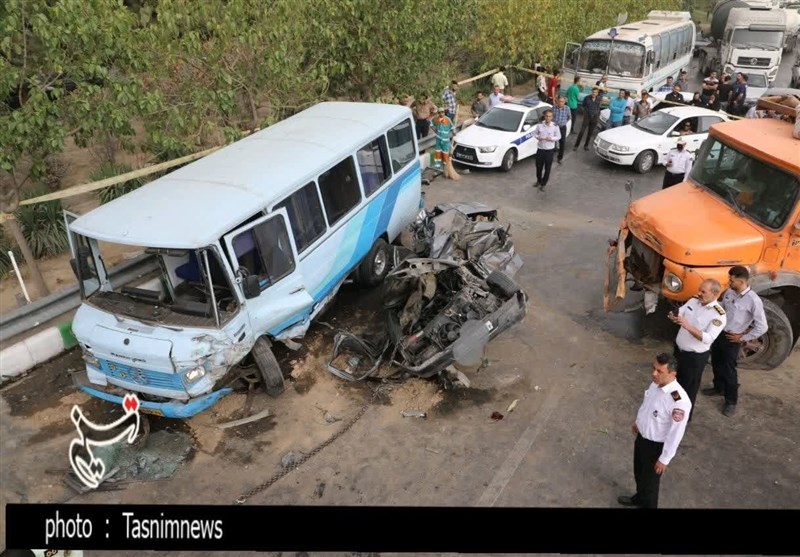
(508, 160)
(271, 374)
(769, 351)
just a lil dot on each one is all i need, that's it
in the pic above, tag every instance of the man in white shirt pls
(701, 321)
(498, 97)
(679, 163)
(541, 84)
(500, 80)
(548, 135)
(659, 427)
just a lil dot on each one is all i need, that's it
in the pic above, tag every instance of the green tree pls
(69, 68)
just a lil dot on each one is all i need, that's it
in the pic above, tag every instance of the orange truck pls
(738, 207)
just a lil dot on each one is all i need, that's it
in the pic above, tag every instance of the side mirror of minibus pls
(252, 287)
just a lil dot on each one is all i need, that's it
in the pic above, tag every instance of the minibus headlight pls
(194, 374)
(90, 358)
(491, 149)
(672, 282)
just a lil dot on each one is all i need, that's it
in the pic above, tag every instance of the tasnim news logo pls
(89, 469)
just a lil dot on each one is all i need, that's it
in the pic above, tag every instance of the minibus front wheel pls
(374, 267)
(271, 374)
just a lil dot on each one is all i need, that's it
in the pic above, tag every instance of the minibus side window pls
(373, 164)
(305, 215)
(340, 190)
(265, 251)
(401, 145)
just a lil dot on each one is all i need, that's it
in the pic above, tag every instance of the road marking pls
(523, 446)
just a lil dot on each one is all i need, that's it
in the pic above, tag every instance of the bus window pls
(373, 163)
(305, 215)
(687, 40)
(401, 145)
(673, 45)
(340, 190)
(657, 51)
(627, 59)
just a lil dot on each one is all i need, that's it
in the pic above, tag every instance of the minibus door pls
(264, 259)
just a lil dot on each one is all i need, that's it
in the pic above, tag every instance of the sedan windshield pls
(762, 192)
(500, 119)
(657, 123)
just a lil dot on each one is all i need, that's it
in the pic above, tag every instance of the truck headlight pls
(491, 149)
(620, 148)
(90, 358)
(672, 282)
(194, 374)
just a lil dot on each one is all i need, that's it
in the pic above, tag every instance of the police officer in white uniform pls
(746, 321)
(679, 163)
(702, 319)
(659, 428)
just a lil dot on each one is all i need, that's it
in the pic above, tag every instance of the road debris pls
(263, 414)
(496, 416)
(512, 406)
(330, 418)
(290, 460)
(413, 414)
(319, 490)
(450, 292)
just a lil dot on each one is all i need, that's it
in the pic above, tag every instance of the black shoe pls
(730, 409)
(559, 161)
(537, 185)
(712, 391)
(585, 147)
(575, 148)
(628, 501)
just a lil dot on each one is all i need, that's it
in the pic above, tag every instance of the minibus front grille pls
(139, 376)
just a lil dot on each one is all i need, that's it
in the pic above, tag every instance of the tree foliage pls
(524, 32)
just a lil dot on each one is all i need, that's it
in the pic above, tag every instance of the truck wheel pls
(271, 374)
(645, 162)
(504, 283)
(373, 268)
(769, 351)
(508, 160)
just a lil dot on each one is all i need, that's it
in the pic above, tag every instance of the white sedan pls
(502, 136)
(647, 142)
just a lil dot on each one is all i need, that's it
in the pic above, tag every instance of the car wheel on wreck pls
(504, 283)
(271, 374)
(374, 267)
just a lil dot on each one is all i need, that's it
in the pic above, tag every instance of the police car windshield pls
(761, 191)
(500, 119)
(657, 123)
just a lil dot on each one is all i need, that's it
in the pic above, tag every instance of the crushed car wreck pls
(451, 291)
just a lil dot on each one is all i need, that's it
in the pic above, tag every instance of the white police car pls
(502, 136)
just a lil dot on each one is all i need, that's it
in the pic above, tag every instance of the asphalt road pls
(577, 373)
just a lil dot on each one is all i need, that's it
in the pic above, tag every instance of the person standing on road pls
(683, 80)
(659, 428)
(724, 91)
(450, 103)
(573, 96)
(541, 84)
(500, 80)
(424, 110)
(667, 87)
(480, 105)
(702, 320)
(746, 321)
(442, 126)
(627, 117)
(642, 108)
(553, 85)
(710, 84)
(617, 107)
(547, 134)
(561, 116)
(591, 115)
(675, 95)
(738, 95)
(497, 97)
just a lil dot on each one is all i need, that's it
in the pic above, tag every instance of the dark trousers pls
(690, 372)
(670, 179)
(562, 141)
(724, 359)
(544, 161)
(645, 456)
(423, 126)
(574, 112)
(588, 125)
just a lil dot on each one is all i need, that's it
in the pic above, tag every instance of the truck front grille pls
(644, 263)
(753, 62)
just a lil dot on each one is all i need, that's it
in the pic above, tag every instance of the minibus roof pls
(194, 206)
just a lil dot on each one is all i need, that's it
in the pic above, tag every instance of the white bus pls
(634, 56)
(248, 245)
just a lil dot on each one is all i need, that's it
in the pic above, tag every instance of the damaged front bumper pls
(171, 409)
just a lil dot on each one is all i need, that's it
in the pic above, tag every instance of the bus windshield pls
(770, 40)
(622, 58)
(762, 192)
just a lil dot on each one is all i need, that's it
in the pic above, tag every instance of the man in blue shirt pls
(667, 87)
(561, 115)
(617, 107)
(738, 95)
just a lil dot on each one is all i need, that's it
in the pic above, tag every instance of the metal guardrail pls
(30, 315)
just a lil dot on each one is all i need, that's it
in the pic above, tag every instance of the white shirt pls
(547, 134)
(681, 162)
(662, 417)
(745, 312)
(710, 319)
(541, 83)
(629, 106)
(494, 100)
(500, 80)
